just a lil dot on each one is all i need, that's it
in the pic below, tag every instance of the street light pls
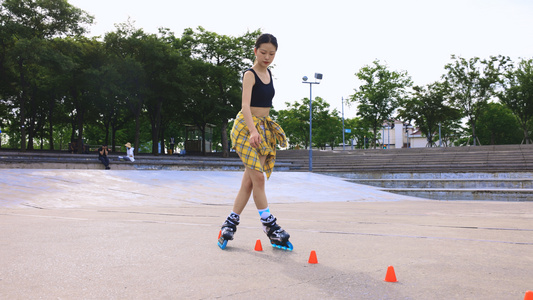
(318, 76)
(407, 126)
(440, 137)
(343, 146)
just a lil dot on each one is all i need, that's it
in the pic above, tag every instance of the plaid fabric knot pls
(271, 134)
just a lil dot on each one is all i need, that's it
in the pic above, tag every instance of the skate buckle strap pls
(273, 229)
(270, 221)
(232, 224)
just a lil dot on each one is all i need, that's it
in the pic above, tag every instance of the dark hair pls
(266, 38)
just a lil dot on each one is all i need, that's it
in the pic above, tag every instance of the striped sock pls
(264, 213)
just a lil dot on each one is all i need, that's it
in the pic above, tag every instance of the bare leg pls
(258, 179)
(252, 181)
(244, 193)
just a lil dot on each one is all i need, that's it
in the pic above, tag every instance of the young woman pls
(254, 137)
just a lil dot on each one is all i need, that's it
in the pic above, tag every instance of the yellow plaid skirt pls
(270, 132)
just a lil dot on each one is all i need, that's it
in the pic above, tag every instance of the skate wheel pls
(288, 247)
(222, 243)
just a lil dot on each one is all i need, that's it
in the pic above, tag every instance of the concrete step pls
(492, 194)
(503, 158)
(421, 168)
(448, 183)
(434, 175)
(496, 186)
(80, 161)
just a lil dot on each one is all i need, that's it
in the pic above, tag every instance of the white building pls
(401, 136)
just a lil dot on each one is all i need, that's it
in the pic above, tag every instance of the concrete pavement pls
(95, 234)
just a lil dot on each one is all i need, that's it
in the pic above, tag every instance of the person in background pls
(102, 156)
(172, 145)
(129, 152)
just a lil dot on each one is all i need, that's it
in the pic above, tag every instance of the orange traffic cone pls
(391, 276)
(312, 258)
(529, 295)
(258, 246)
(219, 234)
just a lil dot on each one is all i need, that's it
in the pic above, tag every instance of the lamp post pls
(383, 138)
(388, 136)
(440, 137)
(318, 76)
(343, 144)
(407, 135)
(407, 126)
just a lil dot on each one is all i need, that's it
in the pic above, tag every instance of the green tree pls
(165, 70)
(378, 96)
(472, 84)
(44, 19)
(26, 23)
(427, 107)
(327, 125)
(517, 94)
(358, 132)
(81, 81)
(218, 83)
(124, 45)
(294, 120)
(53, 66)
(498, 126)
(8, 76)
(200, 102)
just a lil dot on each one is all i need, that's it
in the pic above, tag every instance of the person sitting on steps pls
(129, 153)
(102, 156)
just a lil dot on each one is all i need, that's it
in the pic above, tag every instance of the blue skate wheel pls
(288, 247)
(222, 243)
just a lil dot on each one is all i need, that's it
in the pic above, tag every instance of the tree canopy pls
(379, 95)
(58, 86)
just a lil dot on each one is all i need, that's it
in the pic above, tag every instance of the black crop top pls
(262, 94)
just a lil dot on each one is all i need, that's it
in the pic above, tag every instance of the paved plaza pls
(129, 234)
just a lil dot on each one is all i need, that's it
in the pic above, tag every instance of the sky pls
(338, 37)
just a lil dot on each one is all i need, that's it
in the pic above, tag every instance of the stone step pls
(491, 194)
(434, 175)
(496, 186)
(464, 167)
(522, 183)
(80, 161)
(503, 158)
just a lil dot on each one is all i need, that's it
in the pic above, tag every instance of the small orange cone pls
(219, 234)
(529, 295)
(312, 258)
(258, 246)
(391, 276)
